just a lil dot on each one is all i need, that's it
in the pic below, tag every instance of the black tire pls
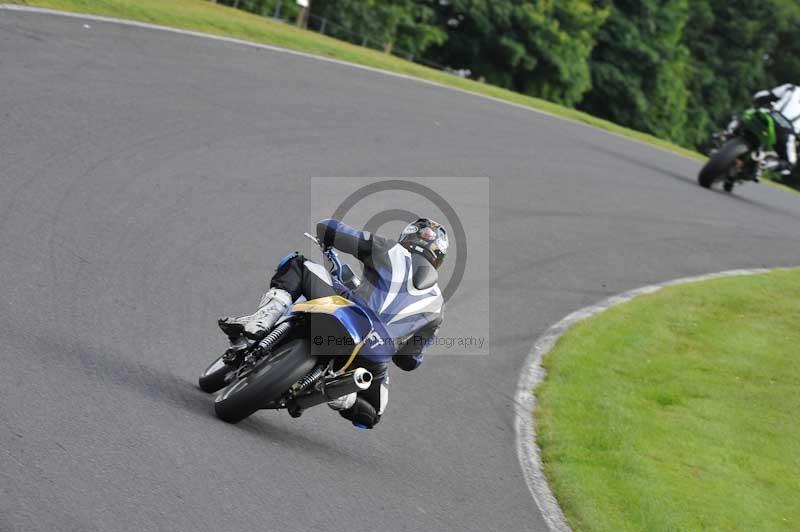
(213, 378)
(720, 163)
(271, 377)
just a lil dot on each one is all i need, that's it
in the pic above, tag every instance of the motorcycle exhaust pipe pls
(335, 387)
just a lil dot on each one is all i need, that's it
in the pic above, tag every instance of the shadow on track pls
(684, 179)
(103, 367)
(757, 204)
(639, 163)
(259, 426)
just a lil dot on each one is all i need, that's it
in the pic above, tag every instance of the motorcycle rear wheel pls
(721, 162)
(269, 379)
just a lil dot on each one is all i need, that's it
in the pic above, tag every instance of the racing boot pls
(785, 168)
(779, 166)
(256, 325)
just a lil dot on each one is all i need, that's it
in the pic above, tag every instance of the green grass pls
(679, 410)
(205, 16)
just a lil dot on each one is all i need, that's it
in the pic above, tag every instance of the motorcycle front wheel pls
(268, 380)
(215, 377)
(719, 165)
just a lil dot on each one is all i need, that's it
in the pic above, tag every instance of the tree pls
(539, 48)
(639, 68)
(730, 42)
(403, 26)
(783, 62)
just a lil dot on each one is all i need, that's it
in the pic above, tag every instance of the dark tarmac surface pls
(150, 180)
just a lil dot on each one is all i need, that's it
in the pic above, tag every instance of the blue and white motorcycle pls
(286, 369)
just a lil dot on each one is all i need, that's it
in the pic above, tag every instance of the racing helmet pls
(428, 238)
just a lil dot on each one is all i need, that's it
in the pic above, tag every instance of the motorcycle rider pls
(399, 285)
(785, 101)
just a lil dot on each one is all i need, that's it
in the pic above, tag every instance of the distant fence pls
(286, 11)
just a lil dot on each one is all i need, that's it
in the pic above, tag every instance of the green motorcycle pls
(745, 150)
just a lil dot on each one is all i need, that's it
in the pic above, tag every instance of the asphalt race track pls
(148, 182)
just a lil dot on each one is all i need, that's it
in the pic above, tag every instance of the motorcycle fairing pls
(366, 330)
(761, 124)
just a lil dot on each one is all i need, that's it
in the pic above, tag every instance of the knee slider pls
(362, 414)
(289, 275)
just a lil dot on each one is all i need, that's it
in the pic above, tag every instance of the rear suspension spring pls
(272, 338)
(306, 382)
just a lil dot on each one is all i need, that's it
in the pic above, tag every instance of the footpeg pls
(233, 356)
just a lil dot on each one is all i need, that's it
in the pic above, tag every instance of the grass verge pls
(208, 17)
(678, 410)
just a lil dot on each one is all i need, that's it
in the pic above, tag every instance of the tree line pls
(674, 68)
